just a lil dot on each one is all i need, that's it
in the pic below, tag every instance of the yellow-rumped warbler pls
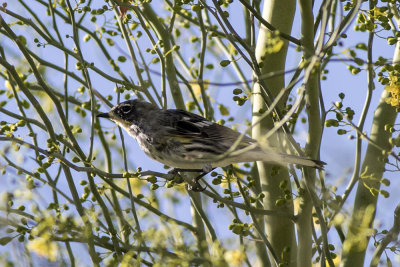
(187, 141)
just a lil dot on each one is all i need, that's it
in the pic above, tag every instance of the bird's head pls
(128, 112)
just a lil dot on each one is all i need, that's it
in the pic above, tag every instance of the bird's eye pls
(126, 109)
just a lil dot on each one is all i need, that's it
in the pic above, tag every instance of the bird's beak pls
(103, 115)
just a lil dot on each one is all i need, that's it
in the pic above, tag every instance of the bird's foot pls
(174, 171)
(177, 178)
(196, 187)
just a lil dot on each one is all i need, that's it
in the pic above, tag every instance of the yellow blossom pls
(196, 86)
(394, 98)
(235, 257)
(44, 247)
(274, 43)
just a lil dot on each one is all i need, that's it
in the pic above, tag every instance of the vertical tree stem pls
(279, 231)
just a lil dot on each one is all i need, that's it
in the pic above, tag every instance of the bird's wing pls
(184, 124)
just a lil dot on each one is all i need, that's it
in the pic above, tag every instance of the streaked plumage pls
(184, 140)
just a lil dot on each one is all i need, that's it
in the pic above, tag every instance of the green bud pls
(154, 186)
(216, 181)
(21, 208)
(385, 181)
(224, 63)
(331, 122)
(237, 91)
(391, 40)
(152, 179)
(121, 59)
(237, 229)
(196, 8)
(384, 193)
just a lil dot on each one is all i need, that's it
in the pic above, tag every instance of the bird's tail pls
(281, 158)
(293, 159)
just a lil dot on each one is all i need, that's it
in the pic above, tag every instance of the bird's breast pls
(133, 130)
(145, 141)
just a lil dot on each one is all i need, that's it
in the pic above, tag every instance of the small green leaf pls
(5, 240)
(121, 59)
(223, 110)
(22, 39)
(237, 91)
(196, 8)
(224, 63)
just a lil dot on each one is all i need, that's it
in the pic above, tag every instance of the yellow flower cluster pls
(44, 247)
(235, 257)
(394, 90)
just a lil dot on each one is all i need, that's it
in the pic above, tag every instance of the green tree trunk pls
(373, 167)
(280, 231)
(304, 223)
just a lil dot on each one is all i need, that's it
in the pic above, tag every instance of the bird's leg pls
(197, 188)
(176, 171)
(177, 178)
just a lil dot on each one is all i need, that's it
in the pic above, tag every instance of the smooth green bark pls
(373, 166)
(304, 230)
(280, 231)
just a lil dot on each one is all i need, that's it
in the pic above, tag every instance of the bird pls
(189, 142)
